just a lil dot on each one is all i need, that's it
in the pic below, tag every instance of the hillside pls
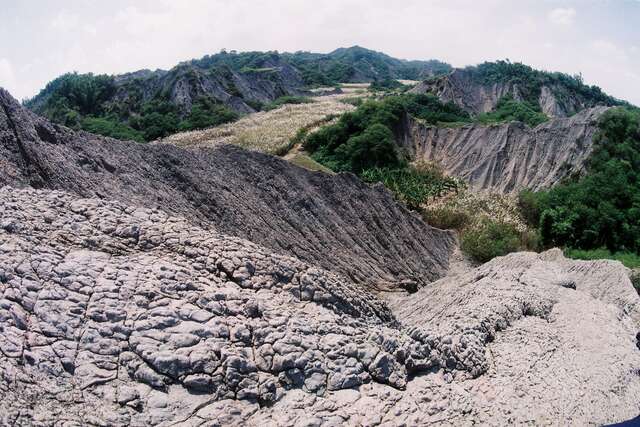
(334, 221)
(215, 89)
(509, 157)
(478, 89)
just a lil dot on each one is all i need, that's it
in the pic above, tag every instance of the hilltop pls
(215, 89)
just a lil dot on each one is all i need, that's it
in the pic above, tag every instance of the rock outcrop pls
(119, 315)
(336, 222)
(468, 90)
(507, 157)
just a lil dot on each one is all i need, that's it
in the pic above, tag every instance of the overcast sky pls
(43, 39)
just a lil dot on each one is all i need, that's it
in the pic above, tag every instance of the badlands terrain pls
(200, 279)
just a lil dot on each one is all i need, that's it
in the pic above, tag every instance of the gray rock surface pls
(507, 157)
(118, 315)
(335, 222)
(463, 88)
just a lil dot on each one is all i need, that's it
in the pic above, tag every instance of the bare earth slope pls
(507, 157)
(466, 89)
(118, 315)
(333, 221)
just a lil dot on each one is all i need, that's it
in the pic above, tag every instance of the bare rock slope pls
(507, 157)
(468, 90)
(336, 222)
(120, 315)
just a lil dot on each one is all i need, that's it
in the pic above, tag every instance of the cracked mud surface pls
(118, 315)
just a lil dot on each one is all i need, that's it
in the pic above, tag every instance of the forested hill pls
(215, 89)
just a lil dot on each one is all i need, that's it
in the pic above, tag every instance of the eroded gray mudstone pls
(117, 315)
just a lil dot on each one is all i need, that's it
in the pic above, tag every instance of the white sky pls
(43, 39)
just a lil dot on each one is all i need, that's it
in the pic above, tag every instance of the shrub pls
(446, 218)
(530, 203)
(111, 127)
(629, 259)
(205, 113)
(287, 100)
(412, 185)
(509, 110)
(488, 239)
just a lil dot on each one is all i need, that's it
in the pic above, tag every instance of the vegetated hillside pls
(601, 207)
(119, 315)
(215, 89)
(334, 221)
(479, 89)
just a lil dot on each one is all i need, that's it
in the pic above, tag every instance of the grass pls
(306, 162)
(283, 100)
(267, 131)
(629, 259)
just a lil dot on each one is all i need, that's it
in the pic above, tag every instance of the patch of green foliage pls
(602, 208)
(629, 259)
(386, 85)
(110, 126)
(488, 239)
(508, 110)
(72, 96)
(413, 185)
(287, 100)
(207, 113)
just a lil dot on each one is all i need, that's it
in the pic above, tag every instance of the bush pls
(386, 85)
(488, 239)
(446, 218)
(111, 127)
(629, 259)
(530, 205)
(509, 110)
(205, 113)
(287, 100)
(413, 185)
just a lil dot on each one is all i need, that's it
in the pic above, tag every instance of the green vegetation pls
(342, 65)
(413, 185)
(629, 259)
(110, 126)
(85, 101)
(597, 214)
(386, 85)
(287, 100)
(508, 110)
(489, 239)
(363, 142)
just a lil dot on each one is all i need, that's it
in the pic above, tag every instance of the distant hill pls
(479, 89)
(145, 105)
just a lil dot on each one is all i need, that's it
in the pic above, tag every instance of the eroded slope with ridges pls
(507, 157)
(333, 221)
